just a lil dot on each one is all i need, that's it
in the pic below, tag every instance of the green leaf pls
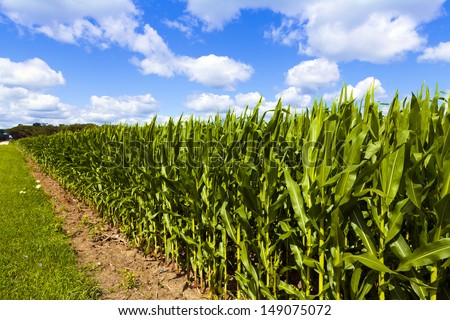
(227, 221)
(188, 239)
(396, 220)
(426, 255)
(367, 284)
(346, 182)
(368, 260)
(338, 176)
(392, 169)
(265, 291)
(364, 191)
(420, 290)
(248, 193)
(354, 282)
(397, 291)
(246, 262)
(290, 289)
(372, 149)
(400, 248)
(296, 251)
(442, 208)
(297, 201)
(360, 226)
(413, 191)
(446, 264)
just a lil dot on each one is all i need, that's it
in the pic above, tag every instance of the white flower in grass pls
(38, 186)
(38, 181)
(22, 191)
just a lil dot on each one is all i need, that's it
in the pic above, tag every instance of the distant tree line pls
(36, 129)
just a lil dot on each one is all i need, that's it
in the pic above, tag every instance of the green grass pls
(36, 260)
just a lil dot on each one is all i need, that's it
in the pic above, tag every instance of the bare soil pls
(121, 271)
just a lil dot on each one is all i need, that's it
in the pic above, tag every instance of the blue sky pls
(64, 61)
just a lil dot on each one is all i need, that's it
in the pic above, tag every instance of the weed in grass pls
(130, 281)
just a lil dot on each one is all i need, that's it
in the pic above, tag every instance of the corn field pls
(337, 202)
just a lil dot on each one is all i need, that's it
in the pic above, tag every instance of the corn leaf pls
(426, 255)
(297, 201)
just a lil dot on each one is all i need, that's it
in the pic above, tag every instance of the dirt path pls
(121, 271)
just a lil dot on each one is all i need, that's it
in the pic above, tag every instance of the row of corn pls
(339, 202)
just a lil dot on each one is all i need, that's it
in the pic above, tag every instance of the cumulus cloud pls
(23, 99)
(441, 52)
(215, 71)
(249, 99)
(359, 90)
(214, 15)
(71, 21)
(312, 75)
(31, 74)
(22, 96)
(292, 96)
(209, 102)
(288, 33)
(20, 105)
(104, 23)
(130, 109)
(342, 30)
(211, 70)
(392, 36)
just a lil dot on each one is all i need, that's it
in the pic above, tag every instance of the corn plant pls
(339, 202)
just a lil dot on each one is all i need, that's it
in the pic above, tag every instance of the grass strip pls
(36, 261)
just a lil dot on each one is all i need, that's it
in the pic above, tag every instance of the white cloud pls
(215, 71)
(69, 21)
(441, 52)
(139, 104)
(104, 23)
(293, 97)
(150, 44)
(20, 105)
(179, 26)
(330, 96)
(249, 99)
(391, 35)
(31, 74)
(209, 102)
(184, 24)
(313, 74)
(213, 14)
(22, 99)
(130, 109)
(342, 30)
(288, 33)
(360, 90)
